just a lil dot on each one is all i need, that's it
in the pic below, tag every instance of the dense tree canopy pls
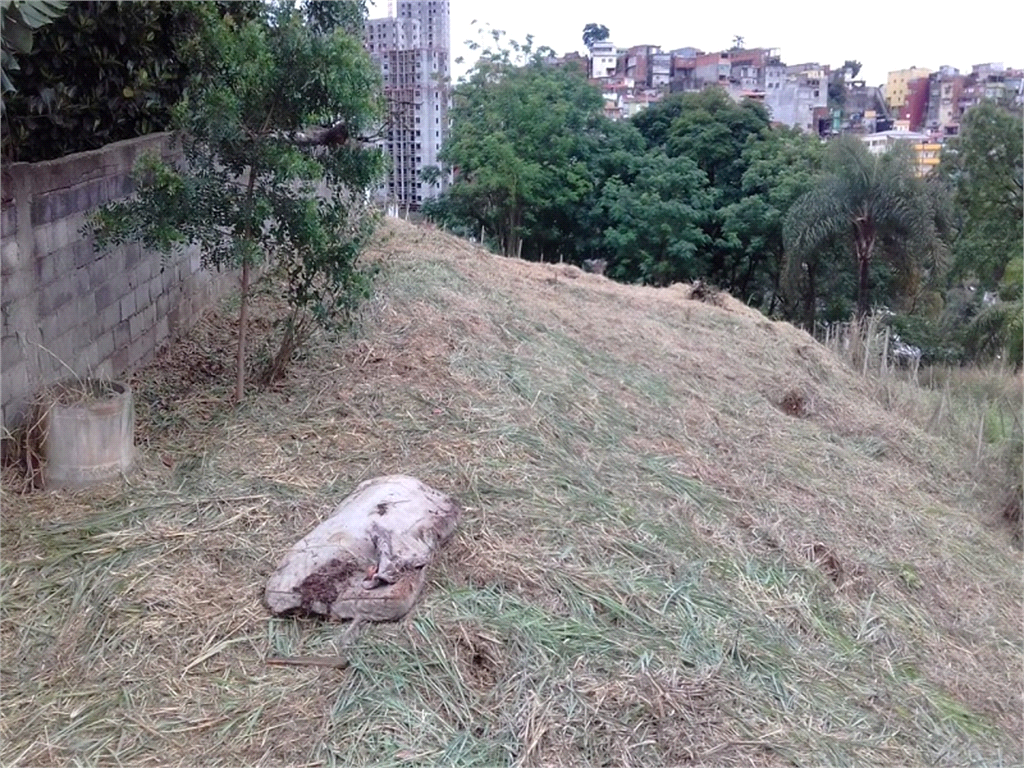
(653, 216)
(19, 19)
(518, 143)
(104, 71)
(700, 186)
(986, 165)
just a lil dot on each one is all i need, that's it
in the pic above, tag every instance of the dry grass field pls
(692, 536)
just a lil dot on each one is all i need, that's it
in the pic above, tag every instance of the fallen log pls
(368, 561)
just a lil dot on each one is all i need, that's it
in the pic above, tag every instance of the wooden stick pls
(335, 662)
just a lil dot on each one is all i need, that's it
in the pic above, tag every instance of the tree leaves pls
(101, 72)
(874, 204)
(248, 192)
(986, 163)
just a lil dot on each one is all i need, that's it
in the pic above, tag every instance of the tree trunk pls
(810, 300)
(242, 322)
(243, 310)
(863, 286)
(864, 240)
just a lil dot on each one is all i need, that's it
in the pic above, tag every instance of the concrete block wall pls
(67, 307)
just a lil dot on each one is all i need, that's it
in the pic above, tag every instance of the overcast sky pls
(881, 35)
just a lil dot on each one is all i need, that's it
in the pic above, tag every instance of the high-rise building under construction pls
(413, 51)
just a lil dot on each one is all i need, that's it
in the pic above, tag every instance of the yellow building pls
(926, 152)
(927, 155)
(896, 87)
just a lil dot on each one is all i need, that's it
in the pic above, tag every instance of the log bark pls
(367, 561)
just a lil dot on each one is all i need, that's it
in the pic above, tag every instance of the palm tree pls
(1000, 326)
(876, 205)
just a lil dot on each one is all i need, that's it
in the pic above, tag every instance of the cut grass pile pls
(691, 536)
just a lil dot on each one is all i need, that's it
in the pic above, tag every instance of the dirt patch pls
(794, 404)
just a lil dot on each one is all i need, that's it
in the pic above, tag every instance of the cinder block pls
(64, 351)
(98, 274)
(88, 357)
(127, 305)
(42, 239)
(141, 297)
(104, 295)
(105, 345)
(12, 351)
(48, 328)
(16, 286)
(81, 281)
(155, 262)
(50, 267)
(120, 362)
(149, 316)
(56, 296)
(122, 335)
(59, 234)
(14, 382)
(109, 318)
(137, 326)
(70, 320)
(22, 315)
(85, 254)
(163, 304)
(132, 255)
(86, 307)
(42, 268)
(10, 256)
(163, 331)
(156, 288)
(9, 220)
(138, 350)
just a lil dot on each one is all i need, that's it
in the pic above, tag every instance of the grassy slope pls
(657, 564)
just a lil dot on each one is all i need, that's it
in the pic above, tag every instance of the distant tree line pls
(699, 186)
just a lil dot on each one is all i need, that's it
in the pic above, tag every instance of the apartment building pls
(943, 115)
(713, 69)
(603, 59)
(897, 85)
(801, 98)
(413, 51)
(914, 109)
(752, 69)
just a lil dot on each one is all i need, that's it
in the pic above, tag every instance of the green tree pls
(325, 16)
(520, 131)
(654, 217)
(986, 164)
(274, 169)
(592, 33)
(780, 166)
(714, 132)
(999, 328)
(874, 204)
(709, 128)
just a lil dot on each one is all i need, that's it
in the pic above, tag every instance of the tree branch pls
(322, 136)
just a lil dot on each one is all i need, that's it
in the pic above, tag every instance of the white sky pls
(883, 36)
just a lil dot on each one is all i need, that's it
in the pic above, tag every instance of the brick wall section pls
(65, 305)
